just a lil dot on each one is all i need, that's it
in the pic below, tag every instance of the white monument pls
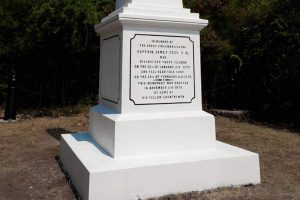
(149, 136)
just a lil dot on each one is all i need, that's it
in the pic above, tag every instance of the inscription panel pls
(162, 70)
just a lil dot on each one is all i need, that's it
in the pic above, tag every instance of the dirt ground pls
(29, 166)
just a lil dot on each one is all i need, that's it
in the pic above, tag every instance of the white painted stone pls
(158, 10)
(145, 3)
(149, 136)
(129, 31)
(111, 69)
(131, 135)
(97, 176)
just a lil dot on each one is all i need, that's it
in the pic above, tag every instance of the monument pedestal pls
(97, 176)
(149, 136)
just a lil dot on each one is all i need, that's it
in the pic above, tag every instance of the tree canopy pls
(250, 53)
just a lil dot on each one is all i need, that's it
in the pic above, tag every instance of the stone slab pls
(144, 134)
(96, 175)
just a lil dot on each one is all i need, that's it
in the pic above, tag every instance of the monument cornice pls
(152, 21)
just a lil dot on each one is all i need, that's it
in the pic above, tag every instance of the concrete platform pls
(97, 176)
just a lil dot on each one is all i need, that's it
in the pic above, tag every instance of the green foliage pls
(53, 48)
(250, 53)
(271, 49)
(250, 56)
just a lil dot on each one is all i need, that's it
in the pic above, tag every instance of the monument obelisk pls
(149, 136)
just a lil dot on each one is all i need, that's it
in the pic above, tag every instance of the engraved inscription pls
(162, 70)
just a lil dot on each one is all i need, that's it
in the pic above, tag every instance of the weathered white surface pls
(171, 10)
(98, 176)
(130, 135)
(131, 93)
(110, 69)
(134, 24)
(145, 3)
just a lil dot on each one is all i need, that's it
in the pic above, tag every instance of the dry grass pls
(279, 152)
(29, 168)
